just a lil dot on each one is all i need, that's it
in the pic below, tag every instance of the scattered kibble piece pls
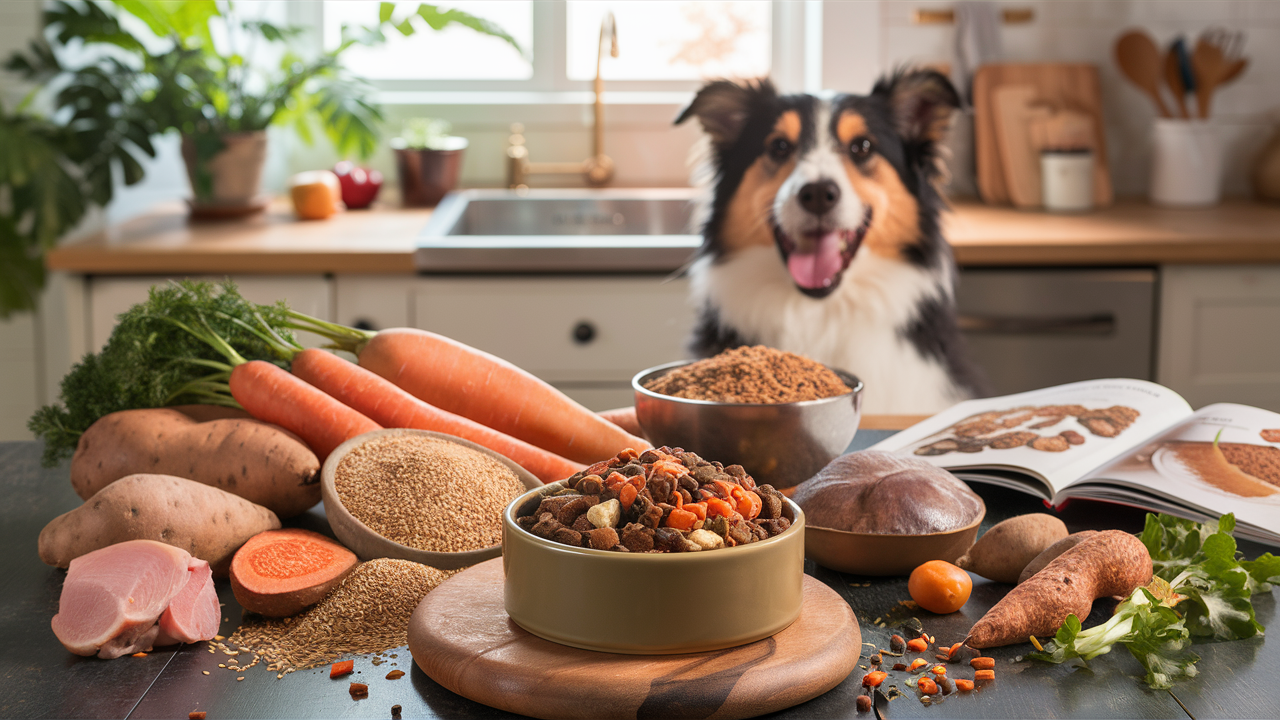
(917, 645)
(927, 686)
(874, 678)
(876, 659)
(339, 669)
(985, 675)
(897, 644)
(983, 663)
(948, 686)
(964, 685)
(196, 715)
(395, 674)
(918, 663)
(864, 703)
(359, 691)
(395, 711)
(899, 666)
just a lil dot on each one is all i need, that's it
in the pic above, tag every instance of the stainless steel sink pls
(542, 231)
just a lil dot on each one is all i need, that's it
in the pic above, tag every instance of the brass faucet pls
(596, 170)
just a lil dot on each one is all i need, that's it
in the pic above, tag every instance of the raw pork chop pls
(113, 596)
(193, 613)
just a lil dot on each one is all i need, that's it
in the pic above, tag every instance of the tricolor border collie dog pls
(821, 235)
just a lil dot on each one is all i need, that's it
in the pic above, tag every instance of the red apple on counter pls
(359, 185)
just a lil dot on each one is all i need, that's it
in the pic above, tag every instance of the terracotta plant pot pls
(426, 175)
(225, 171)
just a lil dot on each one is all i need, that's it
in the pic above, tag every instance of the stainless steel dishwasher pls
(1032, 328)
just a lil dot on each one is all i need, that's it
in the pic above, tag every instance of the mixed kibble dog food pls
(663, 500)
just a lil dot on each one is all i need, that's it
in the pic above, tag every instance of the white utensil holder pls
(1186, 163)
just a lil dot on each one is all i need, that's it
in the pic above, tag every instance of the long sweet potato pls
(225, 448)
(1112, 562)
(205, 521)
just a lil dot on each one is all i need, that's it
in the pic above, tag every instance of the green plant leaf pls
(438, 19)
(385, 10)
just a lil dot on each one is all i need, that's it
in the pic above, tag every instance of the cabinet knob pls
(363, 324)
(584, 332)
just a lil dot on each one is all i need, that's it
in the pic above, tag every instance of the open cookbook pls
(1125, 441)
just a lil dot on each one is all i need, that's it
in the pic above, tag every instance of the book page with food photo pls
(1127, 441)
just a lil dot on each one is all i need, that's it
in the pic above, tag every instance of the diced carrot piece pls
(917, 645)
(983, 663)
(874, 678)
(938, 669)
(964, 685)
(927, 686)
(681, 520)
(717, 507)
(615, 480)
(627, 495)
(698, 508)
(918, 663)
(338, 669)
(985, 675)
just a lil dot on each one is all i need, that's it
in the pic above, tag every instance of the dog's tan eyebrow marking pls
(788, 126)
(849, 126)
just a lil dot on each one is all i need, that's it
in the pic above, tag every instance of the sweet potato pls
(1109, 563)
(280, 573)
(207, 522)
(1052, 552)
(221, 447)
(1002, 552)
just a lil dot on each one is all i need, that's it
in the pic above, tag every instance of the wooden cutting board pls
(1072, 87)
(1016, 115)
(462, 638)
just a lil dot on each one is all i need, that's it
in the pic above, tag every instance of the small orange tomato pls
(940, 587)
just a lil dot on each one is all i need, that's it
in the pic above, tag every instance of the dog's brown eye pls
(860, 148)
(780, 149)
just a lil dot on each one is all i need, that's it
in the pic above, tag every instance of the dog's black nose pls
(819, 197)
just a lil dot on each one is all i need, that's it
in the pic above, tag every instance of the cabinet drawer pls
(562, 328)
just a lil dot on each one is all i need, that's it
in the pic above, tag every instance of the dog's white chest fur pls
(858, 328)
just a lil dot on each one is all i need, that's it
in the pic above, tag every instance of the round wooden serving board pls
(462, 638)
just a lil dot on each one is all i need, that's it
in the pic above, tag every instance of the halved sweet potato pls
(280, 573)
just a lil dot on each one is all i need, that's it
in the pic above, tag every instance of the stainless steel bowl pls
(781, 444)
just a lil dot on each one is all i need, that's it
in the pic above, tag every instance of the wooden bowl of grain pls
(423, 496)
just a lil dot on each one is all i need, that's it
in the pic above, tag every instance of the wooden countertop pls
(381, 241)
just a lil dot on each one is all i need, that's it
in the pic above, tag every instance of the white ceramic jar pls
(1186, 163)
(1066, 180)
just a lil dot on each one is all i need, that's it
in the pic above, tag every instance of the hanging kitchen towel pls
(977, 42)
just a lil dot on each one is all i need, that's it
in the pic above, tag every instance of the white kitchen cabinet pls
(586, 335)
(1220, 334)
(109, 296)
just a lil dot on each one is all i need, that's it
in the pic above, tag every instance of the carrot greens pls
(146, 364)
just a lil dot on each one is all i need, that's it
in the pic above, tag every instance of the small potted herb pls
(428, 161)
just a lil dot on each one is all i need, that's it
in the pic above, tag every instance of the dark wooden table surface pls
(38, 678)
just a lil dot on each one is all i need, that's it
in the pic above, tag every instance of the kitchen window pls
(666, 46)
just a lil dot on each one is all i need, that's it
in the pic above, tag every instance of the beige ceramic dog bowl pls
(871, 554)
(366, 543)
(652, 603)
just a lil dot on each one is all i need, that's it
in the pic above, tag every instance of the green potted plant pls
(217, 95)
(428, 161)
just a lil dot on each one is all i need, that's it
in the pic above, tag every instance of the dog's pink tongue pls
(819, 267)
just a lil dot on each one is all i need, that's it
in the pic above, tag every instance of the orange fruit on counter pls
(315, 194)
(940, 587)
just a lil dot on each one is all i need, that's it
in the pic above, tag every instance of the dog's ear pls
(921, 102)
(723, 107)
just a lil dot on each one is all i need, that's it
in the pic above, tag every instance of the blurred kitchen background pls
(1202, 324)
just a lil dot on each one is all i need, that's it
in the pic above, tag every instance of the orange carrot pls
(339, 669)
(681, 519)
(273, 395)
(390, 406)
(625, 418)
(493, 392)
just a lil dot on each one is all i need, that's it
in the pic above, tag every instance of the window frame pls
(796, 29)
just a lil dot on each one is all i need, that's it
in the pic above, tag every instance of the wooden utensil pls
(1235, 68)
(1210, 66)
(1139, 59)
(1173, 78)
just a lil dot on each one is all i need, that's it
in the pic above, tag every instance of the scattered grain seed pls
(240, 678)
(395, 674)
(206, 672)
